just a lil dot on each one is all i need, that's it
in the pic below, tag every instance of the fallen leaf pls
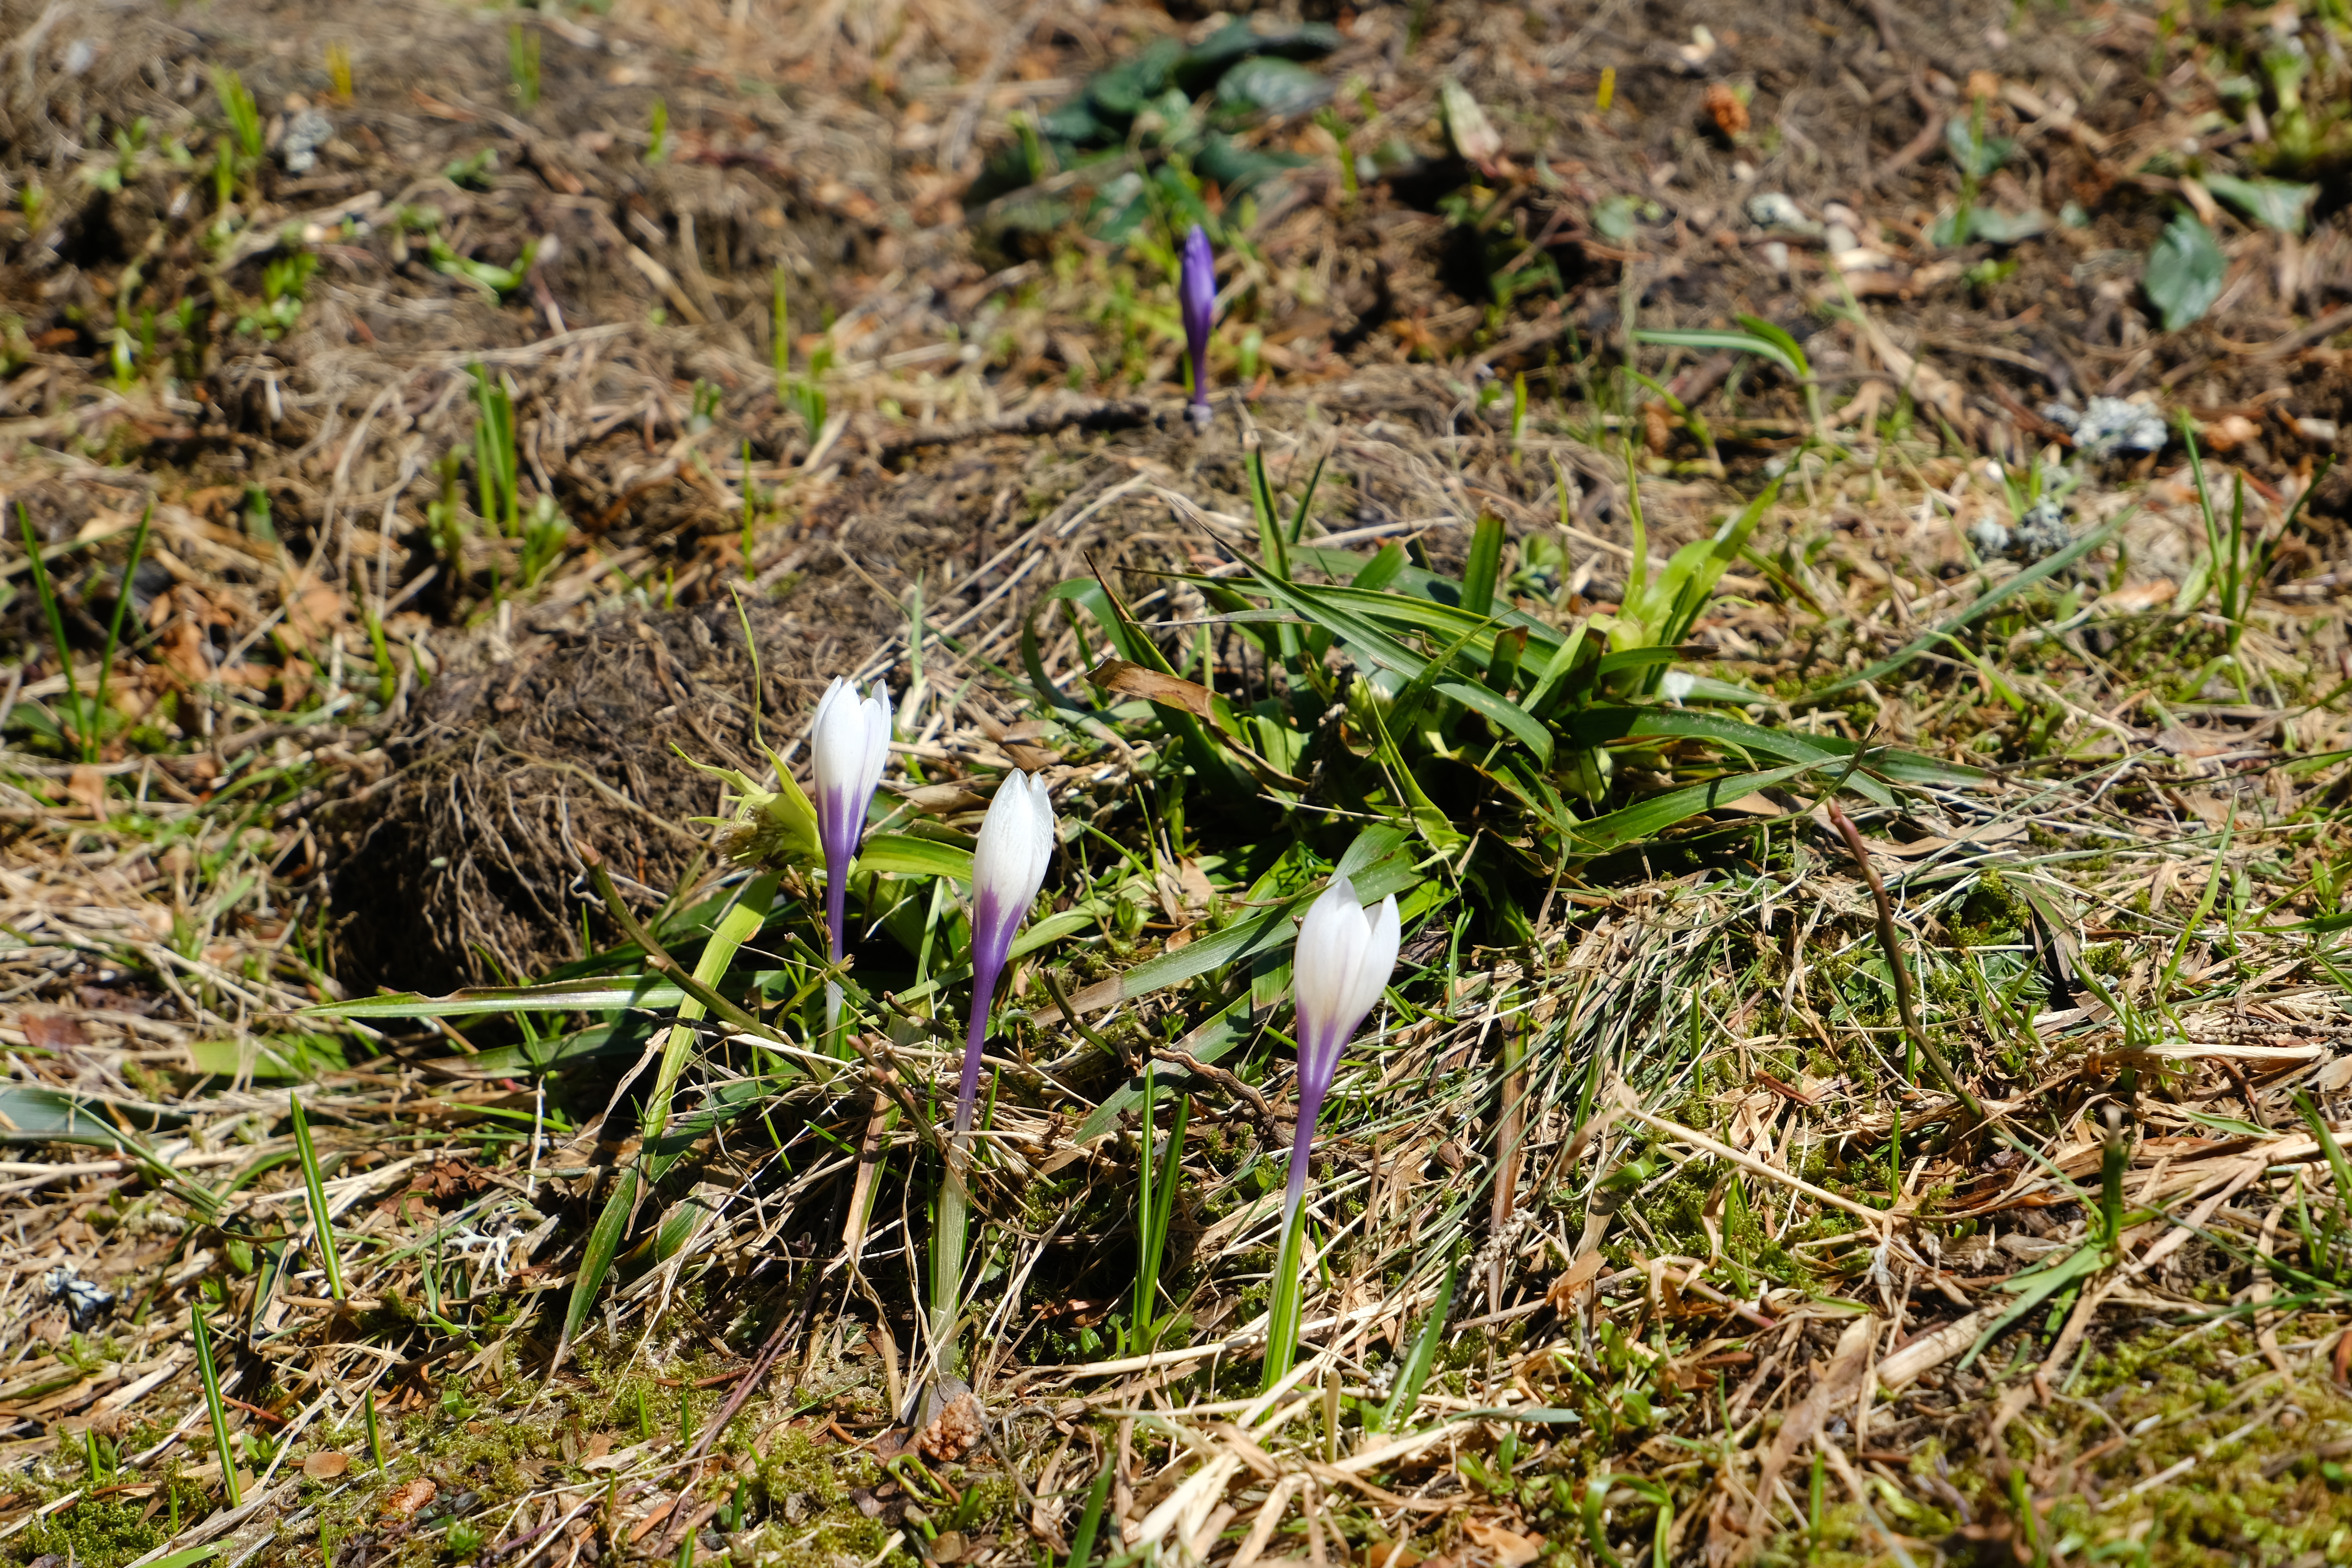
(325, 1465)
(52, 1031)
(1473, 135)
(1510, 1549)
(2139, 596)
(1571, 1281)
(1121, 678)
(1390, 1554)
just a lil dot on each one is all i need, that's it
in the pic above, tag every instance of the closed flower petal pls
(1009, 862)
(1342, 962)
(1196, 291)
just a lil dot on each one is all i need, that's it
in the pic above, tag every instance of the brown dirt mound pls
(463, 866)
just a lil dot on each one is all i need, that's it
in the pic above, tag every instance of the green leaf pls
(1483, 565)
(189, 1556)
(1782, 339)
(904, 855)
(39, 1115)
(1975, 154)
(1272, 86)
(601, 993)
(1407, 1394)
(737, 926)
(533, 1058)
(2184, 272)
(1997, 227)
(2282, 205)
(1716, 337)
(1599, 725)
(597, 1257)
(1648, 818)
(297, 1057)
(1377, 863)
(2035, 1286)
(1504, 713)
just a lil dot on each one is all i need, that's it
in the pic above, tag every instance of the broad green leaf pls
(736, 927)
(1483, 565)
(596, 994)
(904, 855)
(295, 1056)
(1997, 227)
(39, 1115)
(1975, 154)
(597, 1257)
(189, 1556)
(2184, 274)
(1051, 930)
(1686, 687)
(2282, 205)
(1260, 931)
(1503, 712)
(1648, 818)
(1266, 86)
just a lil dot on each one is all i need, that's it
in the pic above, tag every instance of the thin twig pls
(1891, 941)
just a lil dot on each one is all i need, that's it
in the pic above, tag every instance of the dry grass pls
(1727, 1251)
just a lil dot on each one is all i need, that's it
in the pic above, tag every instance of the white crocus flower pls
(848, 741)
(1008, 867)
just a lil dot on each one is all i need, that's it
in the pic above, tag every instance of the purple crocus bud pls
(847, 741)
(1345, 954)
(1008, 867)
(1197, 291)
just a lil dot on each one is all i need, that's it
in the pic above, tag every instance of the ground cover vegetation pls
(1785, 566)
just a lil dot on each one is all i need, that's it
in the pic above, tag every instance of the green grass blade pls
(737, 926)
(1282, 1303)
(903, 855)
(1648, 818)
(1377, 863)
(596, 1259)
(597, 994)
(122, 605)
(1985, 604)
(1406, 1396)
(1485, 566)
(209, 1375)
(315, 1188)
(1503, 713)
(1716, 338)
(1082, 1540)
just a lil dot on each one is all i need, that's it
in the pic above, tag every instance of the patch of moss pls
(95, 1533)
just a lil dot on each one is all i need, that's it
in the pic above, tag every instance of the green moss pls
(804, 1488)
(96, 1533)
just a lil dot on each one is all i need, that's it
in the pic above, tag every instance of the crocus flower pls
(1197, 292)
(848, 742)
(1345, 954)
(1008, 867)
